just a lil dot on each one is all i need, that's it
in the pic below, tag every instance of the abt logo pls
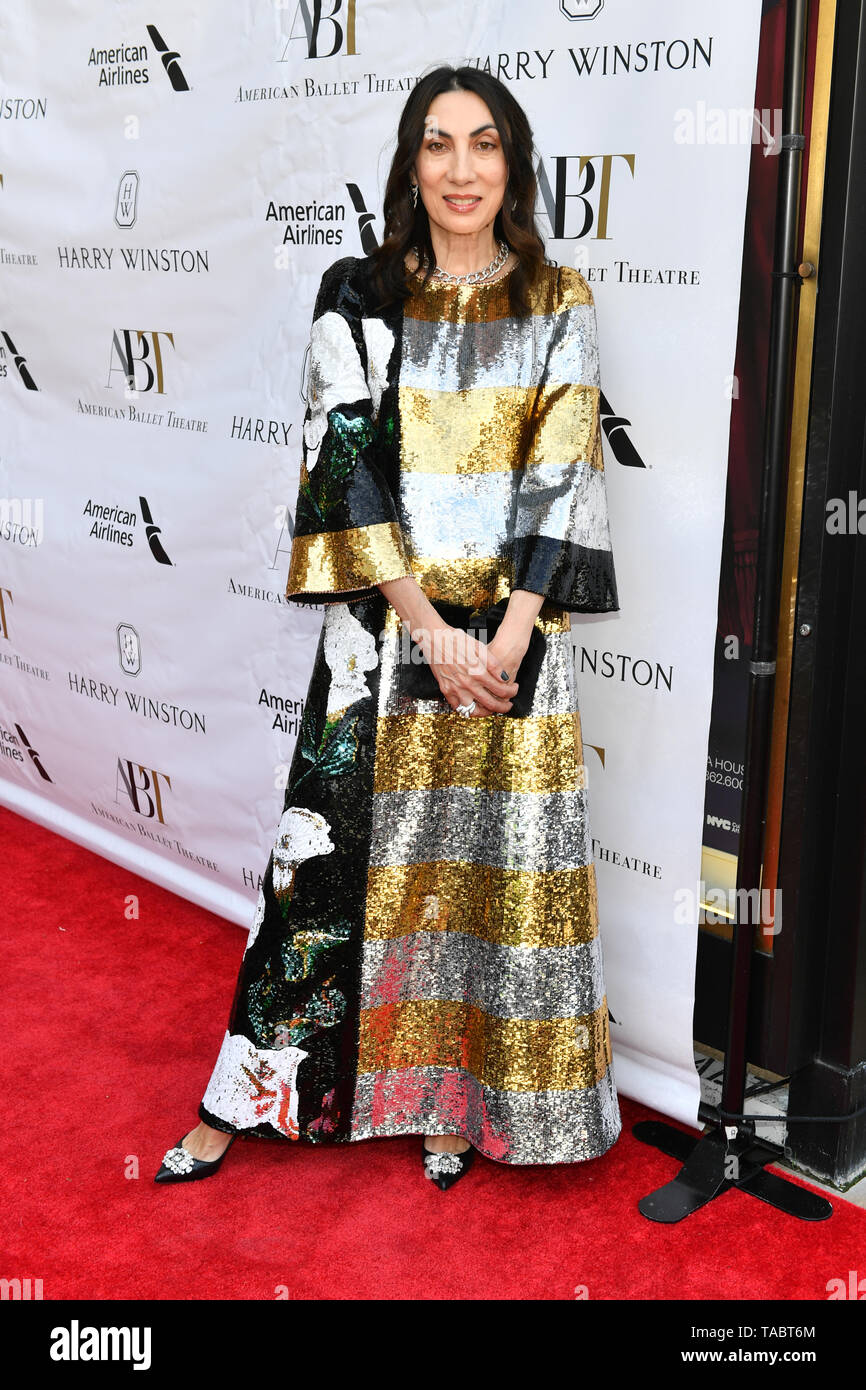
(142, 787)
(319, 23)
(136, 347)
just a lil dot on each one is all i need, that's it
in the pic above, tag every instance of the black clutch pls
(419, 683)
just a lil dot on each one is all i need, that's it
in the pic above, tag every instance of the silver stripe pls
(574, 348)
(445, 356)
(451, 515)
(529, 831)
(509, 1126)
(505, 981)
(565, 501)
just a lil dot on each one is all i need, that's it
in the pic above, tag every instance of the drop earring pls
(414, 188)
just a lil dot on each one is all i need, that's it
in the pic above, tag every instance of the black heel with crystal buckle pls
(446, 1168)
(179, 1165)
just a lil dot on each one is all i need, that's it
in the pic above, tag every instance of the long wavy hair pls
(406, 226)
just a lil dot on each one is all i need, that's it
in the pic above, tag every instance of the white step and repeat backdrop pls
(175, 178)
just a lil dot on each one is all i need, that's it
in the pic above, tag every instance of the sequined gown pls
(425, 953)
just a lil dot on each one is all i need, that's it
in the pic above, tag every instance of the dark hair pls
(405, 226)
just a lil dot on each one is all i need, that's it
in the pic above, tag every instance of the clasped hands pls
(467, 669)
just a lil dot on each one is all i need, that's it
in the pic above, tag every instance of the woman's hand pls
(468, 670)
(465, 668)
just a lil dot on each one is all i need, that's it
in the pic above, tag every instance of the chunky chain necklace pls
(472, 277)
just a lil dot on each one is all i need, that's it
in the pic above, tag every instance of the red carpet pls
(115, 1026)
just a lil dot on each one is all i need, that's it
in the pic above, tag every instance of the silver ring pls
(466, 709)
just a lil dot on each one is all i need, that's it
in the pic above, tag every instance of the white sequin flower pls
(350, 651)
(336, 373)
(302, 834)
(380, 344)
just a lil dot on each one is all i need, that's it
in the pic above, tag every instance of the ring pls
(466, 709)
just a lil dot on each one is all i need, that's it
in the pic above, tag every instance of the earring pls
(414, 188)
(513, 204)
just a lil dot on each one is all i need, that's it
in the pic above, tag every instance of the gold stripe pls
(426, 752)
(508, 1054)
(552, 619)
(336, 561)
(566, 426)
(450, 431)
(483, 303)
(505, 907)
(476, 582)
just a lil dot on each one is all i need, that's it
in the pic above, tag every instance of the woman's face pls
(460, 167)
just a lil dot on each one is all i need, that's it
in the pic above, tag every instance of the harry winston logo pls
(581, 9)
(128, 649)
(126, 205)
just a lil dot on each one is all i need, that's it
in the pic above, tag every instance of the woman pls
(424, 957)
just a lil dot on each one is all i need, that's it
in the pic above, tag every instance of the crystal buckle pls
(436, 1164)
(179, 1161)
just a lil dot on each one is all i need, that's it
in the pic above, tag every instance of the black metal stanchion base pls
(709, 1163)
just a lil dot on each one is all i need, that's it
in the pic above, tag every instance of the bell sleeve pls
(561, 536)
(347, 537)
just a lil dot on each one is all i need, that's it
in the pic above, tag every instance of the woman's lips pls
(462, 207)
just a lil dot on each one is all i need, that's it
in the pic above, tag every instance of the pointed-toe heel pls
(179, 1165)
(445, 1168)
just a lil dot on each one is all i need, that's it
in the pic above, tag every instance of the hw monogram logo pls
(127, 199)
(148, 350)
(581, 9)
(137, 783)
(19, 361)
(312, 26)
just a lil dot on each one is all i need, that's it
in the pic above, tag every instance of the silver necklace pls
(472, 277)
